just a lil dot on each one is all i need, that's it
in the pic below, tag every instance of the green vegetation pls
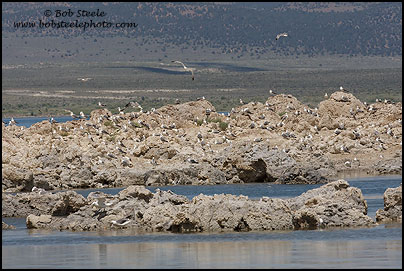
(282, 113)
(136, 125)
(111, 138)
(222, 124)
(199, 122)
(108, 123)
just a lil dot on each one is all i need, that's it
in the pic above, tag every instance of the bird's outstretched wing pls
(179, 62)
(185, 67)
(281, 35)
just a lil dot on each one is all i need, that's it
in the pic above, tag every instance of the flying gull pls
(84, 79)
(102, 105)
(185, 67)
(281, 35)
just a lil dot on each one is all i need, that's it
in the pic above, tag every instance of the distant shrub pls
(216, 120)
(223, 125)
(136, 124)
(282, 113)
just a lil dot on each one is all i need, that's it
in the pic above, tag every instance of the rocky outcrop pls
(393, 206)
(281, 140)
(7, 227)
(389, 166)
(19, 178)
(238, 213)
(57, 204)
(332, 205)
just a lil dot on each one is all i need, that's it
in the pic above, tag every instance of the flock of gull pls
(122, 121)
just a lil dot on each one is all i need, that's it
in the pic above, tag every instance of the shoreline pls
(31, 117)
(344, 177)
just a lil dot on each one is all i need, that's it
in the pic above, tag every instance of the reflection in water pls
(373, 247)
(257, 254)
(102, 254)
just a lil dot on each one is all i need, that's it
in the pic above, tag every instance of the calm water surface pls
(375, 247)
(27, 122)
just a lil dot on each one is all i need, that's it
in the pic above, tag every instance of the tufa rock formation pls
(281, 141)
(335, 204)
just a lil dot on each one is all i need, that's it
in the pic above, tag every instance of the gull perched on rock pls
(102, 202)
(185, 67)
(111, 155)
(40, 191)
(126, 161)
(74, 116)
(121, 144)
(120, 150)
(272, 92)
(162, 138)
(82, 115)
(132, 104)
(121, 222)
(281, 35)
(12, 122)
(258, 139)
(52, 120)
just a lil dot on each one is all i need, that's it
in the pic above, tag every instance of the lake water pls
(27, 122)
(375, 247)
